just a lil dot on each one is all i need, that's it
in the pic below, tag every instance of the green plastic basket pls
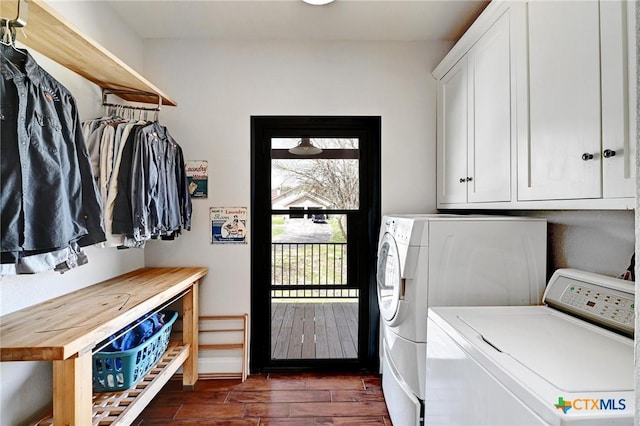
(116, 371)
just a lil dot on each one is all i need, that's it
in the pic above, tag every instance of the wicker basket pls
(116, 371)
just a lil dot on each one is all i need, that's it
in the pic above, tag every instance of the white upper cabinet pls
(452, 135)
(474, 122)
(489, 149)
(580, 119)
(618, 71)
(550, 114)
(562, 159)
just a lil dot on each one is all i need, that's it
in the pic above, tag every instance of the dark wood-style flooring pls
(314, 330)
(272, 400)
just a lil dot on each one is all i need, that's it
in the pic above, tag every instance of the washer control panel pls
(604, 300)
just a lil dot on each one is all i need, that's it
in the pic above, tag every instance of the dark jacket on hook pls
(48, 198)
(160, 195)
(153, 199)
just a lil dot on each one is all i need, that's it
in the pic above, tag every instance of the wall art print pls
(197, 178)
(228, 225)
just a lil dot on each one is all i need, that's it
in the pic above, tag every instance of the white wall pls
(25, 387)
(591, 240)
(220, 85)
(98, 21)
(596, 241)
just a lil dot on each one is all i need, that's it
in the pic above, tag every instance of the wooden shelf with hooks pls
(51, 35)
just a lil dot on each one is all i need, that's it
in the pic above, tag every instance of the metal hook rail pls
(116, 92)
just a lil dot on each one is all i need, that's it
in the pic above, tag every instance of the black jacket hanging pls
(48, 198)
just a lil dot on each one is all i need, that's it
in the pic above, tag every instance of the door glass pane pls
(323, 143)
(314, 310)
(329, 180)
(309, 257)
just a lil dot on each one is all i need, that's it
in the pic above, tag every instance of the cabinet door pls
(489, 149)
(452, 134)
(564, 103)
(618, 39)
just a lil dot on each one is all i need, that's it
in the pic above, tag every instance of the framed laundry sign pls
(197, 178)
(228, 225)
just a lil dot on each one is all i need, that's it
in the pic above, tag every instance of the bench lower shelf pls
(122, 408)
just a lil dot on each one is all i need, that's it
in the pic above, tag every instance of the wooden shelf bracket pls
(50, 34)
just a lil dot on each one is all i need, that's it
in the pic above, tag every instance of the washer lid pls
(571, 354)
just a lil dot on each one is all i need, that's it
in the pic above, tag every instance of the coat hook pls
(21, 18)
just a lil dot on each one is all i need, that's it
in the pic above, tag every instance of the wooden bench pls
(66, 329)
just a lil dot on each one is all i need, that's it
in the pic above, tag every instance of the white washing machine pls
(446, 260)
(570, 362)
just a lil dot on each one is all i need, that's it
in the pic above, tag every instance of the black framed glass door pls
(315, 219)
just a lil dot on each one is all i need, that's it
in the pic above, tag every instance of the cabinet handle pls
(608, 153)
(469, 179)
(586, 156)
(462, 180)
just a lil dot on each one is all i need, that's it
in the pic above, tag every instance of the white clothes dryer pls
(446, 260)
(570, 362)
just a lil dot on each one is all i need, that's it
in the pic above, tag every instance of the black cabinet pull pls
(608, 153)
(586, 156)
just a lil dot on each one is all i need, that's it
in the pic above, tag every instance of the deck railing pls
(310, 270)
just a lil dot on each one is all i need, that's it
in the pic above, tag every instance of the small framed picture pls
(228, 225)
(197, 178)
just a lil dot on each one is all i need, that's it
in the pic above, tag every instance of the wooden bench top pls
(74, 323)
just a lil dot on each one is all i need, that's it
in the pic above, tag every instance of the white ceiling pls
(397, 20)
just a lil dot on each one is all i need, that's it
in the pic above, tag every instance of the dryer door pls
(390, 289)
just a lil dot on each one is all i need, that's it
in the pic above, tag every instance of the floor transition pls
(273, 400)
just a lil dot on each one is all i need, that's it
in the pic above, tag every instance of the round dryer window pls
(388, 277)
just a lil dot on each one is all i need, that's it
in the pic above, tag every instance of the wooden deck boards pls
(314, 330)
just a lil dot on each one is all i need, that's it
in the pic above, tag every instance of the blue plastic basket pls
(116, 371)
